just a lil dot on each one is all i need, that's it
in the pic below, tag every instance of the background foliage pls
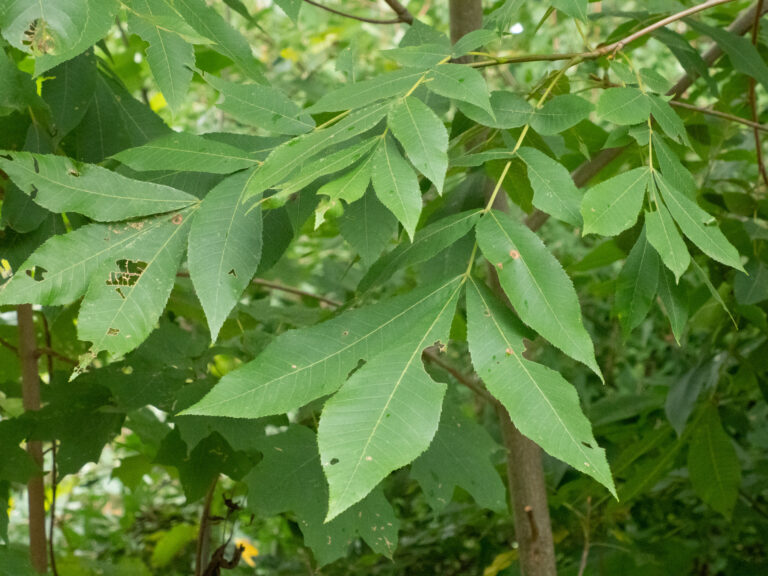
(258, 236)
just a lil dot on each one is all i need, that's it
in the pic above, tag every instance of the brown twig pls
(608, 49)
(353, 16)
(468, 381)
(753, 503)
(5, 344)
(51, 353)
(724, 115)
(753, 99)
(402, 12)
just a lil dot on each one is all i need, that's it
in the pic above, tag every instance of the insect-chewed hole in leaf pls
(36, 273)
(232, 273)
(334, 461)
(128, 273)
(33, 192)
(113, 332)
(35, 165)
(587, 444)
(38, 38)
(360, 364)
(7, 157)
(73, 172)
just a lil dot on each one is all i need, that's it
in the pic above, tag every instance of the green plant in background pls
(314, 283)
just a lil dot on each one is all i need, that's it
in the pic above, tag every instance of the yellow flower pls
(249, 550)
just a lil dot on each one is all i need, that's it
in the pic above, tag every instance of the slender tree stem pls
(402, 12)
(470, 382)
(30, 381)
(202, 552)
(355, 17)
(5, 344)
(724, 115)
(49, 354)
(753, 100)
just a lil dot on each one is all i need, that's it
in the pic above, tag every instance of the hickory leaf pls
(665, 238)
(623, 106)
(536, 284)
(368, 226)
(365, 92)
(553, 189)
(224, 248)
(636, 284)
(560, 113)
(613, 205)
(510, 110)
(302, 365)
(424, 138)
(396, 185)
(541, 403)
(386, 414)
(61, 184)
(461, 83)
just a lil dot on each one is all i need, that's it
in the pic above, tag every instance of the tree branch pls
(358, 18)
(753, 99)
(402, 12)
(470, 382)
(724, 115)
(4, 343)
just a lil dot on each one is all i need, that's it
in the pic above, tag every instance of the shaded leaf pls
(368, 226)
(510, 110)
(459, 82)
(636, 285)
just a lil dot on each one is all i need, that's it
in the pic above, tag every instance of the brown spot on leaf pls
(113, 332)
(509, 351)
(500, 266)
(177, 219)
(136, 225)
(514, 254)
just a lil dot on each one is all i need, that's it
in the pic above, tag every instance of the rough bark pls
(31, 400)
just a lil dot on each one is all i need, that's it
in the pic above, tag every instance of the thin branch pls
(724, 115)
(52, 510)
(354, 17)
(202, 551)
(402, 12)
(51, 353)
(586, 528)
(431, 356)
(753, 99)
(5, 344)
(753, 504)
(608, 49)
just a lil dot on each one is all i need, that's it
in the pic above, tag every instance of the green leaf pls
(751, 289)
(368, 227)
(560, 113)
(623, 106)
(182, 151)
(261, 106)
(170, 57)
(460, 455)
(70, 91)
(613, 205)
(224, 249)
(292, 8)
(288, 157)
(687, 55)
(668, 119)
(429, 241)
(19, 211)
(302, 365)
(636, 285)
(541, 403)
(664, 237)
(536, 284)
(63, 185)
(55, 32)
(171, 543)
(127, 295)
(352, 186)
(675, 300)
(359, 94)
(422, 56)
(510, 110)
(673, 170)
(504, 16)
(396, 185)
(424, 138)
(207, 22)
(459, 82)
(743, 54)
(693, 221)
(713, 465)
(17, 88)
(553, 189)
(290, 479)
(573, 8)
(387, 413)
(329, 164)
(472, 41)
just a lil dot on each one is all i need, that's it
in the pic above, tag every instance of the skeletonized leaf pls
(61, 184)
(536, 284)
(224, 249)
(386, 414)
(459, 82)
(261, 106)
(665, 238)
(182, 151)
(424, 138)
(713, 464)
(170, 57)
(636, 284)
(127, 295)
(510, 110)
(560, 113)
(623, 106)
(366, 92)
(396, 185)
(553, 189)
(460, 455)
(429, 241)
(541, 403)
(695, 224)
(302, 365)
(613, 205)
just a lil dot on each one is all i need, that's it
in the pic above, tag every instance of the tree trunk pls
(527, 489)
(31, 399)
